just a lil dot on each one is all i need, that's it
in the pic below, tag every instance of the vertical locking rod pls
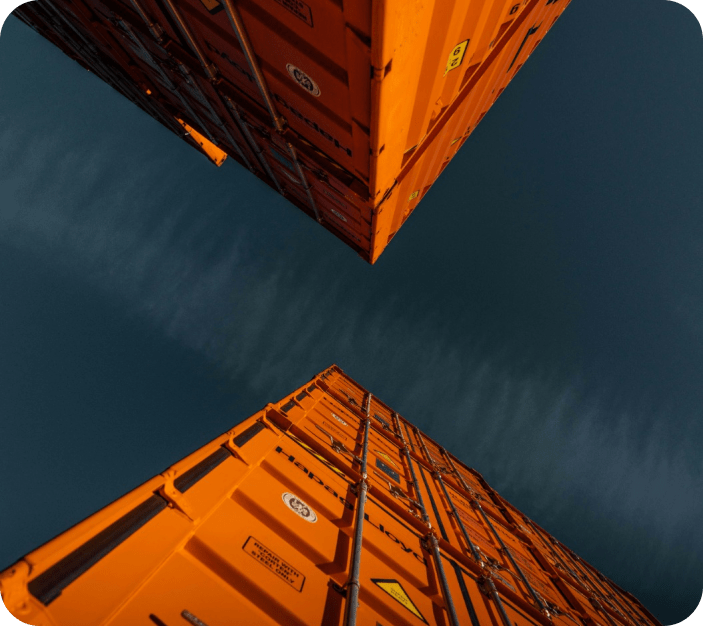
(353, 584)
(243, 126)
(431, 539)
(154, 28)
(208, 67)
(538, 601)
(157, 32)
(279, 122)
(493, 592)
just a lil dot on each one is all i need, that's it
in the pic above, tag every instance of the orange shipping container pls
(327, 508)
(350, 109)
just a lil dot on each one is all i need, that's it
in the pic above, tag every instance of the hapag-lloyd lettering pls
(311, 123)
(349, 505)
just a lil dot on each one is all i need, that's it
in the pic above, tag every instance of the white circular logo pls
(339, 419)
(303, 80)
(338, 214)
(295, 504)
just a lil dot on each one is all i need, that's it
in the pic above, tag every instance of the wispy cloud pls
(166, 246)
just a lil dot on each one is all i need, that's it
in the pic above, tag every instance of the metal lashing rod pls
(97, 66)
(555, 554)
(213, 114)
(474, 551)
(538, 601)
(431, 539)
(615, 595)
(597, 588)
(493, 592)
(353, 584)
(304, 181)
(594, 588)
(423, 512)
(235, 20)
(209, 68)
(466, 487)
(279, 122)
(251, 141)
(170, 85)
(487, 579)
(155, 29)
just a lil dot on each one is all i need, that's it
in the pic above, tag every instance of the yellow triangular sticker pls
(385, 456)
(395, 590)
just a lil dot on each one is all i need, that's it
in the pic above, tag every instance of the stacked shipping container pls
(350, 109)
(327, 508)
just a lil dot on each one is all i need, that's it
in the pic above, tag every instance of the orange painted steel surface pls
(374, 96)
(257, 527)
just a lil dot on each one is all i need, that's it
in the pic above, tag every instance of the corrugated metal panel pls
(377, 97)
(258, 527)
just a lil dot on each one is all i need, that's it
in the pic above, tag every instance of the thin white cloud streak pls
(268, 324)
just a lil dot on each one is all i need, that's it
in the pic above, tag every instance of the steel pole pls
(154, 28)
(279, 122)
(208, 67)
(354, 584)
(251, 141)
(168, 83)
(493, 592)
(431, 538)
(476, 504)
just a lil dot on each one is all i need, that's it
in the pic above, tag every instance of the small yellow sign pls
(213, 6)
(395, 590)
(385, 456)
(413, 195)
(456, 56)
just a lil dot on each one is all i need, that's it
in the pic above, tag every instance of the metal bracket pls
(232, 449)
(341, 590)
(174, 497)
(13, 583)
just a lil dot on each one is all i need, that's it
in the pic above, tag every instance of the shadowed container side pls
(350, 110)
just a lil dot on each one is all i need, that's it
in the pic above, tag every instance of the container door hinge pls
(174, 497)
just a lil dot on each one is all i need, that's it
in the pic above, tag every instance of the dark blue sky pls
(541, 314)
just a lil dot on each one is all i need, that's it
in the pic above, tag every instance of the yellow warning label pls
(456, 56)
(395, 590)
(413, 195)
(386, 457)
